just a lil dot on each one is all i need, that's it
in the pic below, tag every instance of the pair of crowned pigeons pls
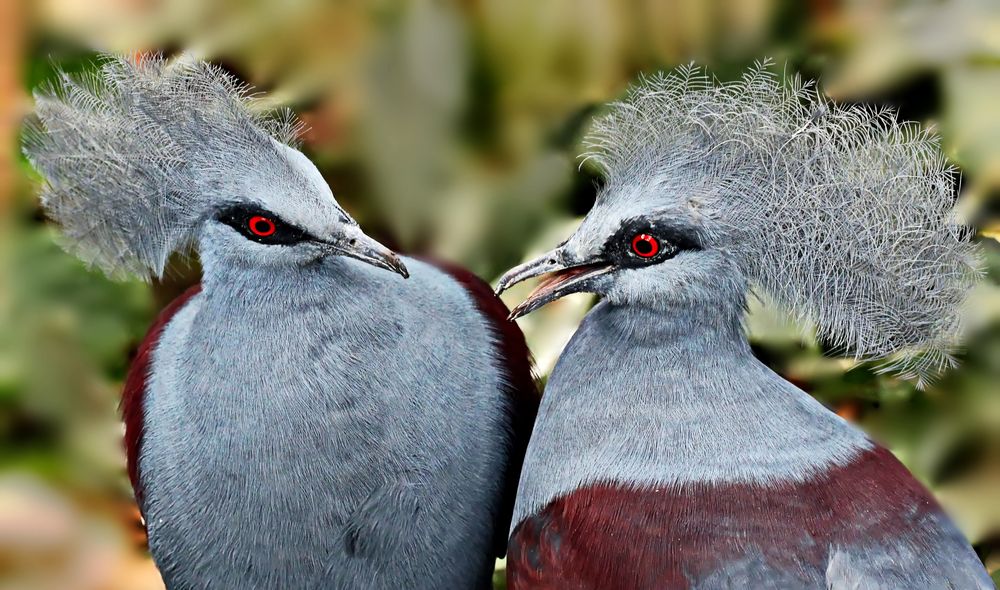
(322, 413)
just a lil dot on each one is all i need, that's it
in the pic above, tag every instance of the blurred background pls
(454, 128)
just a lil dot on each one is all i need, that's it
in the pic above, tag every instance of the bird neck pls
(683, 326)
(691, 356)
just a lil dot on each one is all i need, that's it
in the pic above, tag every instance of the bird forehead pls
(295, 190)
(302, 167)
(609, 216)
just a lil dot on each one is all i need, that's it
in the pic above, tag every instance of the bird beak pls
(353, 243)
(567, 277)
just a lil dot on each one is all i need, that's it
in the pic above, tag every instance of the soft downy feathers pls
(839, 213)
(134, 153)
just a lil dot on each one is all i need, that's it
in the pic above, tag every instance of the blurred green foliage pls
(454, 128)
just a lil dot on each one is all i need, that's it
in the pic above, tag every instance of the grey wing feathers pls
(941, 565)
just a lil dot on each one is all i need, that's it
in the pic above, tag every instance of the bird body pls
(681, 474)
(298, 439)
(665, 455)
(317, 413)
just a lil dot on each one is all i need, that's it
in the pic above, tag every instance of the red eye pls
(261, 226)
(645, 245)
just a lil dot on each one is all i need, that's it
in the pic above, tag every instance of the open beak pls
(352, 242)
(566, 277)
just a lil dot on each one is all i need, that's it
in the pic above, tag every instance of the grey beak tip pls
(515, 313)
(395, 264)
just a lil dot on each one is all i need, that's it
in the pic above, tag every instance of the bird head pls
(840, 214)
(629, 249)
(286, 215)
(147, 157)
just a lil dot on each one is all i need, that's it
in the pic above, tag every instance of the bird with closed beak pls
(665, 455)
(319, 412)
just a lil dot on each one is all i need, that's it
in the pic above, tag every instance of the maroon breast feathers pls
(616, 537)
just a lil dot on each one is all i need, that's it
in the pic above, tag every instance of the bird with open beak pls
(319, 412)
(665, 455)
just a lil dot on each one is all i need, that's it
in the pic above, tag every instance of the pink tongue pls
(553, 280)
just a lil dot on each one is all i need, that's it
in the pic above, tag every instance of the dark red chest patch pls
(610, 537)
(135, 387)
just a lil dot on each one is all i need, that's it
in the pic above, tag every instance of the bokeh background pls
(454, 128)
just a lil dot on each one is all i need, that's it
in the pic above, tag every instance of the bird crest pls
(840, 213)
(134, 153)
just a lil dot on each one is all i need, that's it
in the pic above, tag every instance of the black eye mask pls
(262, 226)
(641, 242)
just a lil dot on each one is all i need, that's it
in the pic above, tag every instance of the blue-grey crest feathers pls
(134, 153)
(840, 213)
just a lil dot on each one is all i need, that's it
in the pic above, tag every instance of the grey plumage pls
(135, 153)
(300, 442)
(672, 398)
(840, 213)
(306, 420)
(665, 454)
(598, 405)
